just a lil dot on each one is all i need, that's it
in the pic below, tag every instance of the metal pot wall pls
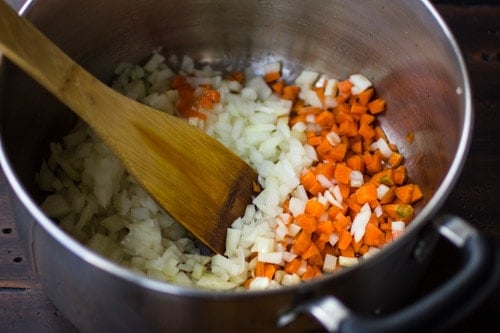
(404, 47)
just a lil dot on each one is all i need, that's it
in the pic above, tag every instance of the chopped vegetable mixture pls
(332, 188)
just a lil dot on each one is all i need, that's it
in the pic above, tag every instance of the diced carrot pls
(311, 251)
(316, 189)
(337, 152)
(309, 110)
(404, 193)
(314, 140)
(376, 106)
(365, 96)
(178, 81)
(367, 119)
(277, 86)
(348, 127)
(333, 211)
(366, 192)
(399, 211)
(380, 133)
(345, 190)
(310, 183)
(348, 252)
(373, 235)
(323, 237)
(358, 108)
(356, 246)
(302, 242)
(209, 98)
(342, 173)
(357, 145)
(416, 194)
(326, 168)
(314, 208)
(308, 178)
(366, 131)
(395, 159)
(290, 92)
(410, 136)
(353, 203)
(355, 162)
(325, 227)
(260, 268)
(293, 266)
(342, 113)
(389, 196)
(236, 76)
(364, 248)
(345, 87)
(306, 222)
(399, 175)
(316, 260)
(385, 226)
(297, 119)
(323, 149)
(345, 240)
(272, 76)
(325, 119)
(373, 162)
(247, 282)
(310, 273)
(341, 223)
(320, 93)
(269, 270)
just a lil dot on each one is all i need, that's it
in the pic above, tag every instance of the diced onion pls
(360, 221)
(307, 78)
(360, 83)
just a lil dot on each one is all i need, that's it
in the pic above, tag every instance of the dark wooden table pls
(24, 307)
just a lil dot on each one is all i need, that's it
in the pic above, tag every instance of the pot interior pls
(402, 48)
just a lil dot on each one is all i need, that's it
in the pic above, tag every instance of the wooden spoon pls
(198, 181)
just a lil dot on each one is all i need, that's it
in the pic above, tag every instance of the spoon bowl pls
(196, 179)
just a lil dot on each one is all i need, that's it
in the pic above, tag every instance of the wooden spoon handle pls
(29, 49)
(46, 63)
(196, 179)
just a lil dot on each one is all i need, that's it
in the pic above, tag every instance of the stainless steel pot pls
(404, 47)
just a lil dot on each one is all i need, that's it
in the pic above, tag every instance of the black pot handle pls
(466, 289)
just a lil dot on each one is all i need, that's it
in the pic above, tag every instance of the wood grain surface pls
(24, 307)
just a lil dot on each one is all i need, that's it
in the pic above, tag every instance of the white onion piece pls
(397, 228)
(382, 190)
(311, 98)
(356, 178)
(360, 221)
(297, 206)
(271, 257)
(360, 83)
(321, 82)
(333, 138)
(306, 78)
(272, 67)
(347, 261)
(330, 263)
(384, 148)
(259, 283)
(331, 88)
(333, 239)
(325, 182)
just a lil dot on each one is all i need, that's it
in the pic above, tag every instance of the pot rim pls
(118, 271)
